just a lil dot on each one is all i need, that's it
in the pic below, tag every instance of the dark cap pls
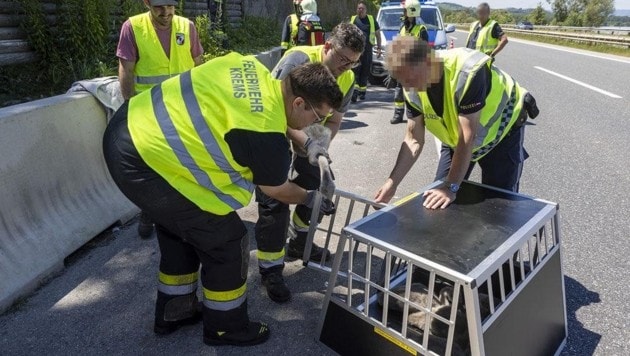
(163, 2)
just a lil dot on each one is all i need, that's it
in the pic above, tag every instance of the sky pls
(501, 4)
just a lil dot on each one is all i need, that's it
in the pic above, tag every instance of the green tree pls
(597, 11)
(502, 16)
(538, 16)
(560, 10)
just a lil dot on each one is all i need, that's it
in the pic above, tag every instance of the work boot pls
(255, 333)
(297, 243)
(362, 95)
(145, 226)
(173, 312)
(355, 95)
(399, 113)
(277, 289)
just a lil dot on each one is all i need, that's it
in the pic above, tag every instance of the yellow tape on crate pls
(395, 341)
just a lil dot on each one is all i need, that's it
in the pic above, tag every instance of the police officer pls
(154, 46)
(412, 26)
(372, 32)
(476, 110)
(486, 35)
(291, 26)
(189, 152)
(339, 54)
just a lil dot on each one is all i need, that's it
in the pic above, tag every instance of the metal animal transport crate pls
(482, 277)
(350, 208)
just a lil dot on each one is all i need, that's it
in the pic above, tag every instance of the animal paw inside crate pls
(483, 277)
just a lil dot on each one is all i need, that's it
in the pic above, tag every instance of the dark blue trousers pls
(501, 167)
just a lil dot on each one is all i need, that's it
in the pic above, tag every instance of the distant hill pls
(622, 13)
(450, 6)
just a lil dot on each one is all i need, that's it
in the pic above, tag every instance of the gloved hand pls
(314, 150)
(390, 82)
(327, 207)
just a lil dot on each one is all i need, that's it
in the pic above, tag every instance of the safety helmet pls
(297, 8)
(412, 7)
(309, 6)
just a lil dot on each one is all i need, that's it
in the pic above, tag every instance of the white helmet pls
(413, 8)
(309, 7)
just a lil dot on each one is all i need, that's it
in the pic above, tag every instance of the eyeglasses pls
(319, 118)
(345, 61)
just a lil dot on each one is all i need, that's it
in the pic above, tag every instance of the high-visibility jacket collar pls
(154, 65)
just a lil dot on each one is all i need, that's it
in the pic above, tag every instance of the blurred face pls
(339, 60)
(483, 13)
(304, 114)
(162, 15)
(419, 75)
(361, 10)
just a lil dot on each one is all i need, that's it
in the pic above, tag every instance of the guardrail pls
(578, 37)
(618, 31)
(619, 41)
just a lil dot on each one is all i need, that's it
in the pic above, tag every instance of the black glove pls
(327, 207)
(313, 151)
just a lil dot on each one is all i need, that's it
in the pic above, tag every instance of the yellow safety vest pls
(345, 81)
(372, 28)
(153, 65)
(415, 30)
(179, 128)
(485, 42)
(503, 104)
(295, 27)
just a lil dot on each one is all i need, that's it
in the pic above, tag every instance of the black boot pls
(255, 333)
(399, 114)
(232, 327)
(145, 226)
(362, 95)
(297, 243)
(277, 288)
(355, 95)
(173, 312)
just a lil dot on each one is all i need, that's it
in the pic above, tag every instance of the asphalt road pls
(102, 303)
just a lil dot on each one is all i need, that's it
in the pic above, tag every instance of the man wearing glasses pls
(339, 54)
(189, 152)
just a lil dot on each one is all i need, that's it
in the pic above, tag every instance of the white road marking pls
(601, 91)
(453, 38)
(566, 49)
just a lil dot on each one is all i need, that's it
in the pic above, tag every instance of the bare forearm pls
(298, 137)
(460, 162)
(126, 83)
(408, 155)
(288, 193)
(334, 123)
(500, 46)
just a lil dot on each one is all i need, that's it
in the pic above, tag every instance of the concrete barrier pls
(55, 191)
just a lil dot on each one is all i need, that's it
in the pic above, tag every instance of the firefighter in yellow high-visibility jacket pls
(189, 152)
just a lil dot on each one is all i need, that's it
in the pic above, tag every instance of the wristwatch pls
(453, 187)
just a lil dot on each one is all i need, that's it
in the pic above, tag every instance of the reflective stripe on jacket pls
(179, 128)
(503, 104)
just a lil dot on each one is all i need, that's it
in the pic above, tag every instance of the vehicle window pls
(389, 19)
(430, 18)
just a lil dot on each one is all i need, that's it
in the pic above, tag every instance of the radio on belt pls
(482, 277)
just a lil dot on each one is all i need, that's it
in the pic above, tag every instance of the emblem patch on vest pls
(179, 38)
